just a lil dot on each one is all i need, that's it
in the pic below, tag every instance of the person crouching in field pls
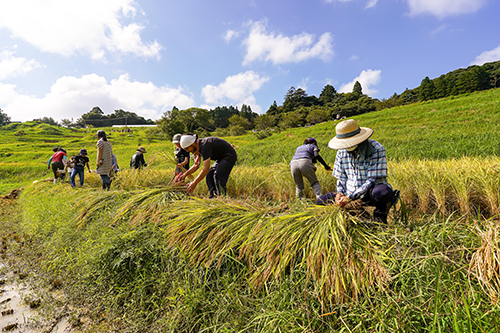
(79, 169)
(104, 159)
(361, 170)
(211, 148)
(137, 160)
(57, 162)
(302, 165)
(181, 157)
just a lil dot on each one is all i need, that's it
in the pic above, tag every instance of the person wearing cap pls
(181, 157)
(58, 162)
(302, 165)
(137, 160)
(79, 169)
(211, 148)
(361, 170)
(104, 159)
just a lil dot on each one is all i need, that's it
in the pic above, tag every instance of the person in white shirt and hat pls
(211, 148)
(361, 170)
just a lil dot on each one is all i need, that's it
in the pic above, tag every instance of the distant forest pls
(298, 108)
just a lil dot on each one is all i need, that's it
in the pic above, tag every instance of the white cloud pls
(13, 66)
(444, 8)
(230, 35)
(65, 27)
(278, 49)
(371, 4)
(487, 56)
(237, 89)
(70, 97)
(367, 79)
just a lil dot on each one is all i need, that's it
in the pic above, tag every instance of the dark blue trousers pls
(380, 196)
(218, 176)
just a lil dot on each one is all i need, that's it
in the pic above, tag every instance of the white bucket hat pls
(187, 140)
(349, 134)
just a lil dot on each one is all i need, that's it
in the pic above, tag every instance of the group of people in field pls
(360, 166)
(106, 163)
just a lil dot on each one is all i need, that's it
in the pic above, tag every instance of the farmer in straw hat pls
(137, 160)
(361, 170)
(211, 148)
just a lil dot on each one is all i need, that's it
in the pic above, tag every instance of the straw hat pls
(349, 134)
(141, 149)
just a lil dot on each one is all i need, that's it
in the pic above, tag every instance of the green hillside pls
(453, 127)
(146, 257)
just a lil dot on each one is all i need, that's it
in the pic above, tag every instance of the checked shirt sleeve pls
(339, 172)
(377, 169)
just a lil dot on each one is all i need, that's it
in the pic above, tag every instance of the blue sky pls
(60, 58)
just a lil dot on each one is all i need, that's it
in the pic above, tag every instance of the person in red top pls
(57, 160)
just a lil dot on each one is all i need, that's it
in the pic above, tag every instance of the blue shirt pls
(354, 176)
(305, 151)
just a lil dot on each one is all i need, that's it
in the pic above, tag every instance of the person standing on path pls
(211, 148)
(104, 159)
(302, 165)
(79, 169)
(361, 170)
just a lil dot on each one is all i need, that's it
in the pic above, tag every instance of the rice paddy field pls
(146, 257)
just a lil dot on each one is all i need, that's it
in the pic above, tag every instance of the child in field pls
(80, 161)
(57, 162)
(181, 157)
(70, 165)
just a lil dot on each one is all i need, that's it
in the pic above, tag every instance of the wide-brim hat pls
(349, 134)
(141, 149)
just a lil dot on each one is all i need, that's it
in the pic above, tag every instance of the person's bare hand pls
(191, 187)
(341, 200)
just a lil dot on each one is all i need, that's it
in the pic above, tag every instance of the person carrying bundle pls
(57, 161)
(361, 171)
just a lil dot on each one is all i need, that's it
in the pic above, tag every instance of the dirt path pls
(18, 304)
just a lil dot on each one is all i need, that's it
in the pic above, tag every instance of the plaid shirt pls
(354, 176)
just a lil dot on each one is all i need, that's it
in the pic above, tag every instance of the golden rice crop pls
(485, 262)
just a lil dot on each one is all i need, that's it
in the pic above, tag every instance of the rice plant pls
(485, 262)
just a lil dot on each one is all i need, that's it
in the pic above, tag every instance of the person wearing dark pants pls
(211, 148)
(218, 176)
(361, 170)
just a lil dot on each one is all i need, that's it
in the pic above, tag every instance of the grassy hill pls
(144, 257)
(453, 127)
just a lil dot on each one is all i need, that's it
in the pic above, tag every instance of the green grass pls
(453, 127)
(155, 260)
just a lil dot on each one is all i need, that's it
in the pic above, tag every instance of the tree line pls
(298, 108)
